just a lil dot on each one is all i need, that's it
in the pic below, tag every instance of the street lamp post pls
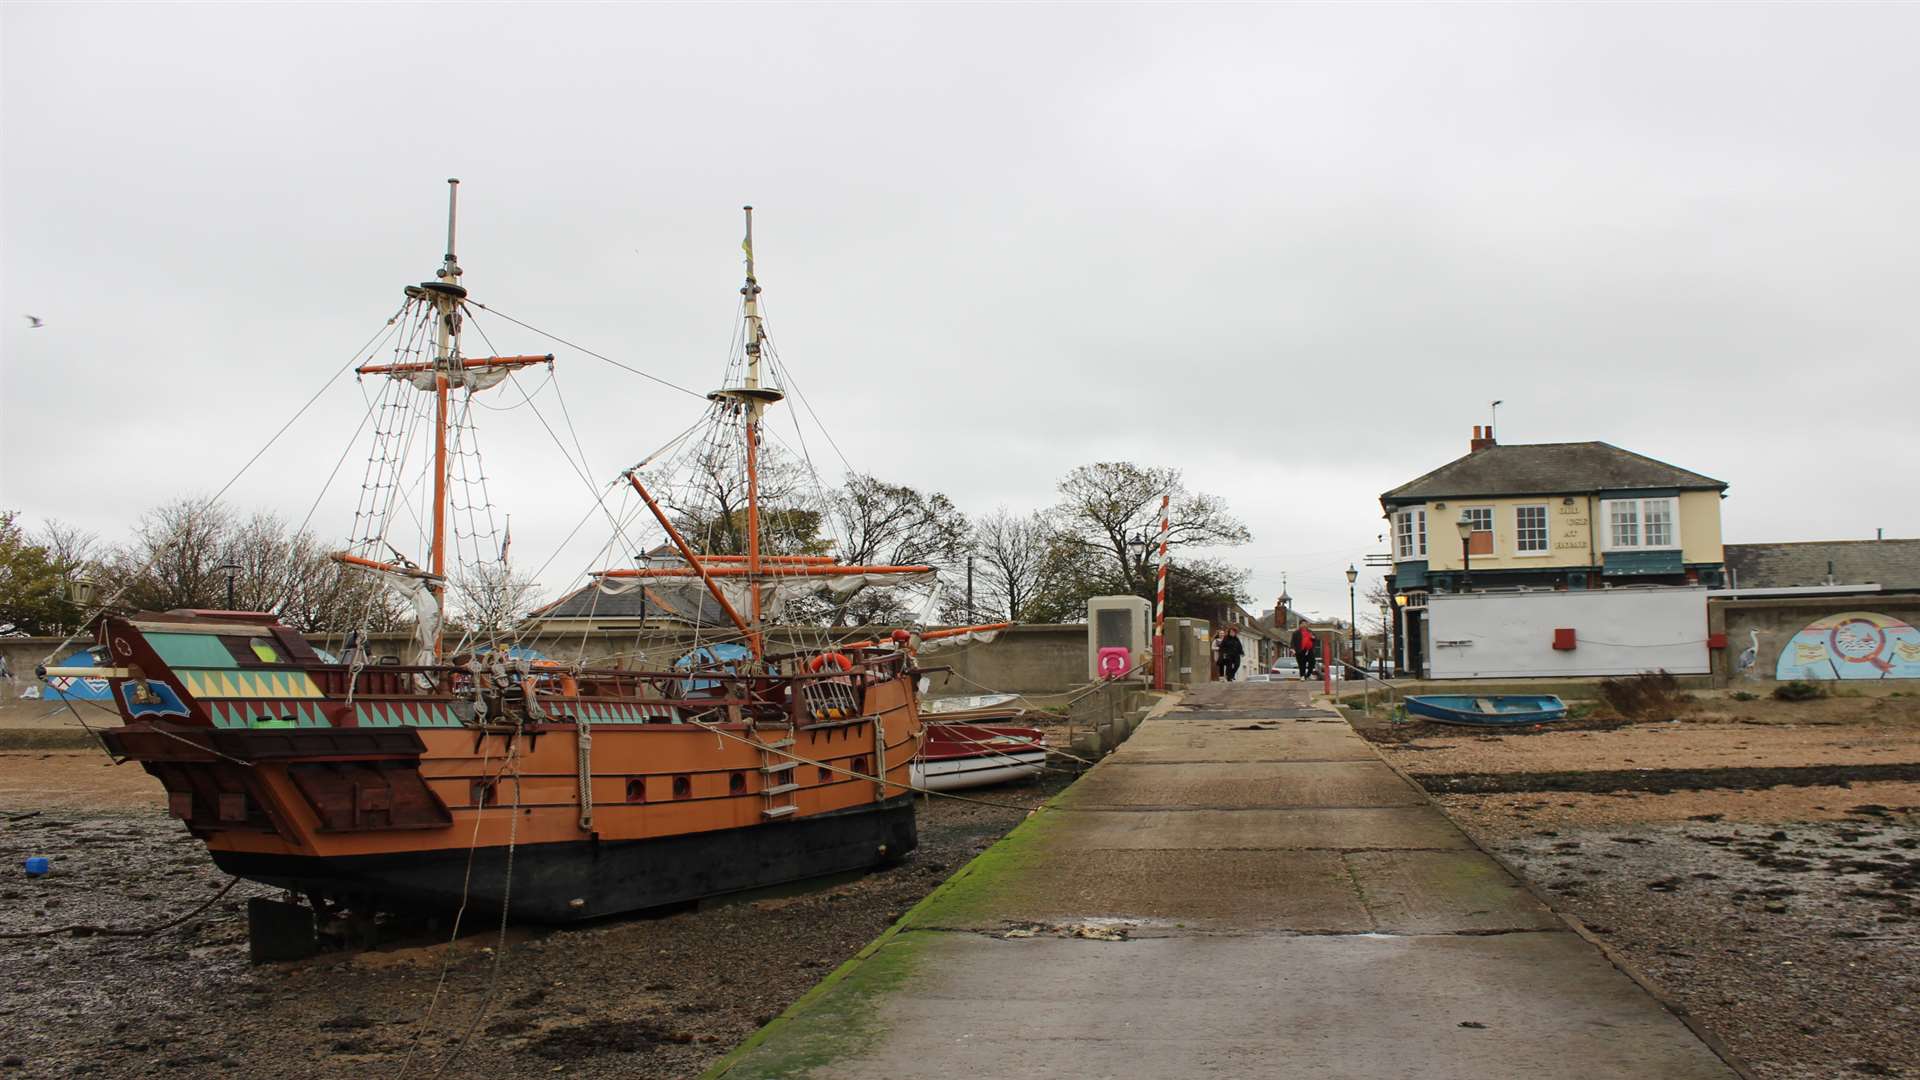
(231, 569)
(1353, 620)
(1465, 525)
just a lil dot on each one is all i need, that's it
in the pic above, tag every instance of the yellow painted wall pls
(1700, 527)
(1572, 530)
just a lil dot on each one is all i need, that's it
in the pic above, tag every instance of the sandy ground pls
(645, 998)
(1781, 917)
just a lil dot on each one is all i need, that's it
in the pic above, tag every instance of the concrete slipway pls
(1286, 906)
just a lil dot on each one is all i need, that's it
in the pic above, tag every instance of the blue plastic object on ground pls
(38, 866)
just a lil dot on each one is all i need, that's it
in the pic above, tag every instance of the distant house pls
(628, 604)
(1547, 516)
(1257, 636)
(1894, 565)
(1578, 515)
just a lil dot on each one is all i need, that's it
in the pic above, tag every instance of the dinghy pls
(1488, 710)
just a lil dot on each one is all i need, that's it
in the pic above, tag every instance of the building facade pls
(1547, 516)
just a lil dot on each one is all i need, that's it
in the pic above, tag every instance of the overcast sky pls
(1293, 251)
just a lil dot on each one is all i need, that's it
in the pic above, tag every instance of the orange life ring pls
(844, 661)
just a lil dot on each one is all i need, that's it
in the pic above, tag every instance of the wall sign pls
(1852, 645)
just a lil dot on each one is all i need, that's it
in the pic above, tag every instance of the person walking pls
(1231, 650)
(1303, 643)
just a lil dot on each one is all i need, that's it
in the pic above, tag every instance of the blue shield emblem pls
(151, 697)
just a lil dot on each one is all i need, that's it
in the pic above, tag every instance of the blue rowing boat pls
(1488, 710)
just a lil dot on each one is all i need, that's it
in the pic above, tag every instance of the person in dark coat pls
(1231, 650)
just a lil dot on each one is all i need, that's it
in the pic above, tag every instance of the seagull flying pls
(34, 322)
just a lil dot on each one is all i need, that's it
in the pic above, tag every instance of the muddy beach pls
(1758, 863)
(657, 997)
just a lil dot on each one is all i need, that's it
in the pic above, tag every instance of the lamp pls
(1353, 619)
(80, 592)
(230, 569)
(1465, 525)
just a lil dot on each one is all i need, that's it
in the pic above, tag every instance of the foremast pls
(448, 369)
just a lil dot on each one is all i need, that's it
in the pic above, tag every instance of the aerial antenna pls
(1493, 413)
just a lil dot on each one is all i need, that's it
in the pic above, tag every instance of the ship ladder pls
(778, 779)
(585, 761)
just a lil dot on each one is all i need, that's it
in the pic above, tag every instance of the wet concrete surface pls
(1237, 785)
(1266, 829)
(1435, 1008)
(1222, 741)
(1284, 948)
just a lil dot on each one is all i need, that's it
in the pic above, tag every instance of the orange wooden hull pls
(654, 811)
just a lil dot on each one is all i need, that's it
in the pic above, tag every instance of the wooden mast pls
(755, 406)
(446, 301)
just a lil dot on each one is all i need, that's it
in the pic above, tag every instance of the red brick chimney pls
(1482, 438)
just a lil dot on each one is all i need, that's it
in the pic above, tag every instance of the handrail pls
(1366, 677)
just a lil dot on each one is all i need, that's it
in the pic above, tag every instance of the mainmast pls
(755, 407)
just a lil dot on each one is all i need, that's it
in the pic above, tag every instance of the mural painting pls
(1852, 645)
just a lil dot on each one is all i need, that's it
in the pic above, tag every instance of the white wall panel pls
(1618, 632)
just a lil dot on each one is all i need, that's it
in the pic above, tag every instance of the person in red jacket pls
(1303, 645)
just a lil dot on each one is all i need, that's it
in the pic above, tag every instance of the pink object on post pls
(1113, 662)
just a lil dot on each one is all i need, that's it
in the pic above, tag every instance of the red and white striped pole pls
(1160, 602)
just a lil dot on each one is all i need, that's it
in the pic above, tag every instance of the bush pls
(1798, 691)
(1650, 695)
(1742, 695)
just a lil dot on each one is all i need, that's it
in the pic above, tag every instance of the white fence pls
(1615, 632)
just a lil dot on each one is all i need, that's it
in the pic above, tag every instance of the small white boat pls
(977, 752)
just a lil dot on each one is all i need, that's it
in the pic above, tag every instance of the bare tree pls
(709, 503)
(896, 525)
(1010, 552)
(184, 553)
(490, 600)
(1107, 510)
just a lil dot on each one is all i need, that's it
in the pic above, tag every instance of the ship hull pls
(584, 879)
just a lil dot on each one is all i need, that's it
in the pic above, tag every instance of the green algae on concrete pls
(839, 1017)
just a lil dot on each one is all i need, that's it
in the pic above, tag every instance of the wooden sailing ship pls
(558, 791)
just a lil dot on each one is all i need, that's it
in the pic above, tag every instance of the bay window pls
(1641, 523)
(1409, 535)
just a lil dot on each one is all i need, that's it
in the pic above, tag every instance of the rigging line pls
(337, 466)
(302, 411)
(786, 376)
(578, 468)
(114, 931)
(466, 886)
(909, 786)
(506, 907)
(584, 349)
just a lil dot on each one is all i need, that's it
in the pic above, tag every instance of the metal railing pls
(1367, 679)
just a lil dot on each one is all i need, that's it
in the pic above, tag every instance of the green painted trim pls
(192, 650)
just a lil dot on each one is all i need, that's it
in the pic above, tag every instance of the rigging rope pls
(584, 349)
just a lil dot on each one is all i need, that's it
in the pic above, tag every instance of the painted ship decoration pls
(473, 775)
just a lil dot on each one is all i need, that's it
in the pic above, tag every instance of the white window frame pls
(1492, 530)
(1546, 531)
(1608, 542)
(1415, 520)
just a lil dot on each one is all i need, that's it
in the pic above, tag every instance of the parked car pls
(1286, 667)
